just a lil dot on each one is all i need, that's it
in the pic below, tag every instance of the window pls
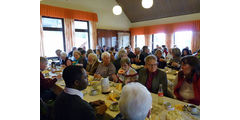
(53, 32)
(82, 34)
(140, 41)
(123, 39)
(158, 39)
(182, 39)
(114, 41)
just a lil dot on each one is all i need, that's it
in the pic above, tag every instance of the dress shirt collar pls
(73, 91)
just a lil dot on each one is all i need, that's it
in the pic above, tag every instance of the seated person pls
(70, 54)
(135, 102)
(70, 104)
(152, 77)
(79, 59)
(92, 64)
(144, 54)
(106, 68)
(58, 53)
(46, 83)
(175, 61)
(99, 53)
(64, 58)
(130, 54)
(185, 52)
(188, 84)
(160, 59)
(67, 63)
(137, 53)
(126, 74)
(121, 53)
(83, 59)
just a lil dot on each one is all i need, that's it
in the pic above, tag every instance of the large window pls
(123, 39)
(82, 34)
(53, 32)
(139, 41)
(158, 39)
(182, 39)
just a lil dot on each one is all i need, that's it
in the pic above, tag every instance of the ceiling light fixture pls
(117, 10)
(147, 3)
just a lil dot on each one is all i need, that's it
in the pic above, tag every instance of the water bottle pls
(160, 95)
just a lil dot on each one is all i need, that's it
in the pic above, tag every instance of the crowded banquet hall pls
(120, 60)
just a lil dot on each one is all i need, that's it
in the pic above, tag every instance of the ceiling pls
(160, 9)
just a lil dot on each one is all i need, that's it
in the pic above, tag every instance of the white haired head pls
(63, 54)
(92, 58)
(135, 101)
(105, 54)
(122, 53)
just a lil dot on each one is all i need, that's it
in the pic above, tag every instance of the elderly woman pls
(135, 102)
(64, 58)
(188, 86)
(106, 68)
(126, 74)
(92, 64)
(121, 53)
(160, 59)
(79, 59)
(152, 77)
(175, 61)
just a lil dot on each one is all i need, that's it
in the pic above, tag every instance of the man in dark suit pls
(152, 77)
(70, 104)
(144, 53)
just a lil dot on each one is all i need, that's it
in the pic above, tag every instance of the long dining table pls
(158, 112)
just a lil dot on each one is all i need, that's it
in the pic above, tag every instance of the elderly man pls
(106, 68)
(92, 64)
(152, 77)
(135, 102)
(137, 56)
(144, 54)
(58, 53)
(70, 104)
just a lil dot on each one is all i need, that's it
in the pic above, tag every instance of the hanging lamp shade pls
(147, 3)
(117, 10)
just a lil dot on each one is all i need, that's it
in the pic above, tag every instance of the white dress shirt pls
(73, 91)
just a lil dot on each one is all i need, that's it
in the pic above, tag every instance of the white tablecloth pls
(158, 111)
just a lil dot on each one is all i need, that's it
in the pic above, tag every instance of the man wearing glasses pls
(152, 77)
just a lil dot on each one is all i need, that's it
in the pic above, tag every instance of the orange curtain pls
(168, 40)
(69, 34)
(167, 28)
(41, 39)
(46, 10)
(133, 42)
(195, 41)
(93, 34)
(148, 41)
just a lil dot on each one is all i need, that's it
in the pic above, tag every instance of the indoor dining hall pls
(120, 60)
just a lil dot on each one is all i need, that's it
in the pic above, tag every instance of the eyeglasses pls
(152, 65)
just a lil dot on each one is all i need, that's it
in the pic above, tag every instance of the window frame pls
(56, 29)
(84, 30)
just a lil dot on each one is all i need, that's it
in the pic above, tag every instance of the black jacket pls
(72, 107)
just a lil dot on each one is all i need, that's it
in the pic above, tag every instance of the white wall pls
(103, 8)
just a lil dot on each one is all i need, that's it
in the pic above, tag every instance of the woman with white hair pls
(106, 68)
(64, 58)
(135, 102)
(92, 64)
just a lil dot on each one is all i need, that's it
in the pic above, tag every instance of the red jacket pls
(46, 83)
(196, 88)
